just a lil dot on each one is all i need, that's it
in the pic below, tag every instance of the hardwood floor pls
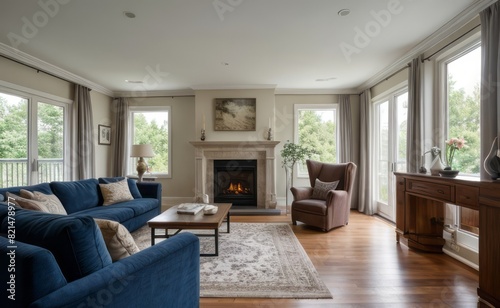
(363, 266)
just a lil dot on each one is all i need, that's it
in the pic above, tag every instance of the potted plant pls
(291, 154)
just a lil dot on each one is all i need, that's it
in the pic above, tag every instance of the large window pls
(34, 137)
(460, 71)
(463, 77)
(389, 140)
(316, 128)
(151, 125)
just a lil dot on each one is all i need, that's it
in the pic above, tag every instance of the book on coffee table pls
(190, 208)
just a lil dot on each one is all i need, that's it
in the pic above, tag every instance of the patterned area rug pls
(255, 260)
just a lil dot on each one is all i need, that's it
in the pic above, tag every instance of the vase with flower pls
(452, 146)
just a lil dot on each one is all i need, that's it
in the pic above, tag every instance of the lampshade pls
(142, 150)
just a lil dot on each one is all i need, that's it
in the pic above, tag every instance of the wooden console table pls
(420, 203)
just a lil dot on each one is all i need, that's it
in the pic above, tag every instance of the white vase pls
(436, 165)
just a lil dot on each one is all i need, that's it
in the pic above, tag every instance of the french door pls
(33, 139)
(390, 121)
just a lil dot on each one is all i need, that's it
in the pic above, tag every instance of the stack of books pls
(190, 208)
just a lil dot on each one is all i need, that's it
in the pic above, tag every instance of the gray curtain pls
(490, 80)
(414, 134)
(83, 153)
(366, 204)
(120, 136)
(345, 128)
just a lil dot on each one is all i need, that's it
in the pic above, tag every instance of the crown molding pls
(285, 91)
(448, 29)
(234, 87)
(158, 93)
(24, 58)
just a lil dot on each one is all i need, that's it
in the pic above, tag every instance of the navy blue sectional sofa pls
(62, 261)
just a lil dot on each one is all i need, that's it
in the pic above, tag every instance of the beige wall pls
(21, 75)
(181, 184)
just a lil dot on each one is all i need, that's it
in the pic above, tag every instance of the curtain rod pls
(440, 49)
(37, 69)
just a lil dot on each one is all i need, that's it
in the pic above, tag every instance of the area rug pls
(262, 260)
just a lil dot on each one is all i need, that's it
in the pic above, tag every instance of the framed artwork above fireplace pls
(235, 114)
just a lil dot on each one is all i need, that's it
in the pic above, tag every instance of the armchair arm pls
(336, 202)
(336, 197)
(301, 193)
(167, 273)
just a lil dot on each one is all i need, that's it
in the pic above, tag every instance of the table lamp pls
(141, 151)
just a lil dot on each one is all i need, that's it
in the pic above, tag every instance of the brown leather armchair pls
(328, 209)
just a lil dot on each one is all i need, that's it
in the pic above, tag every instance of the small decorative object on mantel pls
(202, 138)
(492, 161)
(452, 145)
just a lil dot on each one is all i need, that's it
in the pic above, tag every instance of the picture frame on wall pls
(104, 134)
(235, 114)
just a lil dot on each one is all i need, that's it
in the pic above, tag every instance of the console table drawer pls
(467, 196)
(434, 190)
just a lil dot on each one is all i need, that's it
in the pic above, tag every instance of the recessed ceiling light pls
(344, 12)
(133, 81)
(129, 14)
(326, 79)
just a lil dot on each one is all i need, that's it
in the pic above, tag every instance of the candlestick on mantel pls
(203, 121)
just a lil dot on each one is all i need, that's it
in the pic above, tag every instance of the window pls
(460, 71)
(463, 77)
(389, 141)
(316, 128)
(151, 125)
(34, 133)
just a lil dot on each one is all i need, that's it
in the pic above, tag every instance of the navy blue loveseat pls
(62, 261)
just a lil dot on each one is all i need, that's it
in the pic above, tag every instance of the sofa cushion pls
(37, 273)
(115, 192)
(113, 212)
(321, 189)
(119, 241)
(77, 195)
(132, 185)
(44, 187)
(51, 202)
(76, 242)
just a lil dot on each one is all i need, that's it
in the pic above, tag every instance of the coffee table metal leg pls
(228, 218)
(152, 236)
(217, 241)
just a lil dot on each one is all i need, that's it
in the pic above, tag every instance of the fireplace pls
(207, 152)
(235, 181)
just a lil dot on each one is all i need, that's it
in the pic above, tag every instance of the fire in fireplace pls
(235, 182)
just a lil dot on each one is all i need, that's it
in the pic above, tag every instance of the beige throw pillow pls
(115, 192)
(321, 189)
(51, 202)
(119, 241)
(27, 203)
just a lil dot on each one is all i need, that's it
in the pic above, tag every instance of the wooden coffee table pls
(171, 220)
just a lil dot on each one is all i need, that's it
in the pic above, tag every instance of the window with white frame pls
(151, 125)
(460, 73)
(316, 128)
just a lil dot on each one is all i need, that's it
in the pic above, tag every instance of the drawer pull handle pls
(440, 191)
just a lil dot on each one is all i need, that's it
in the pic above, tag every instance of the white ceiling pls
(207, 44)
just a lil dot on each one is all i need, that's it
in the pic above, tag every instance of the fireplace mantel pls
(262, 151)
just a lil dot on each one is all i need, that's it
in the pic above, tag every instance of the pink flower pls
(452, 145)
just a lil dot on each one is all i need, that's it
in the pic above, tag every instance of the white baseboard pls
(455, 256)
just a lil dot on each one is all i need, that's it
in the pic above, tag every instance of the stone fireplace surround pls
(262, 151)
